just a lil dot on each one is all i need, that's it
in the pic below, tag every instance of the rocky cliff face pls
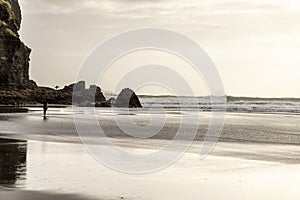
(15, 86)
(14, 54)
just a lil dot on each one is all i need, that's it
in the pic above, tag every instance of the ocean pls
(234, 104)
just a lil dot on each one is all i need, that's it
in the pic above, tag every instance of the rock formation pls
(128, 99)
(81, 96)
(15, 86)
(14, 54)
(66, 96)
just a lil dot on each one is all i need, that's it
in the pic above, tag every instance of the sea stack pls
(128, 99)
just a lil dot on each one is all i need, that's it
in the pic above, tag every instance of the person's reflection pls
(12, 161)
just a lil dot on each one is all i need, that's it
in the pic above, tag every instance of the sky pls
(254, 44)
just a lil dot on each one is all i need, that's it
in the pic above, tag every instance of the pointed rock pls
(128, 99)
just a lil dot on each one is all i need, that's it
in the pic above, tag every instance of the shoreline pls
(26, 108)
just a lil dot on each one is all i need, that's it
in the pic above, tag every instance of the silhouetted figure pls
(45, 107)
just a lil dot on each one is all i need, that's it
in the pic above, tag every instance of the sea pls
(229, 103)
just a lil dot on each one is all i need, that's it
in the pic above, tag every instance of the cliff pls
(14, 54)
(15, 86)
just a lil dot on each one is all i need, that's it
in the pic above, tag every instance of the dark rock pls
(15, 24)
(112, 101)
(87, 97)
(103, 104)
(127, 99)
(79, 87)
(15, 86)
(74, 93)
(14, 54)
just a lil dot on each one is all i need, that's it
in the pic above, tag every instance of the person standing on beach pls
(45, 107)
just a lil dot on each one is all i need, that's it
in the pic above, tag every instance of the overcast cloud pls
(254, 43)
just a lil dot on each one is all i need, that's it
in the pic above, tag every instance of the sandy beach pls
(149, 100)
(252, 160)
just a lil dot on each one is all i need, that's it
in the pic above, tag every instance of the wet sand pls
(67, 171)
(49, 162)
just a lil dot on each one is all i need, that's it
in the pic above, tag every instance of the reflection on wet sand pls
(67, 171)
(13, 155)
(30, 195)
